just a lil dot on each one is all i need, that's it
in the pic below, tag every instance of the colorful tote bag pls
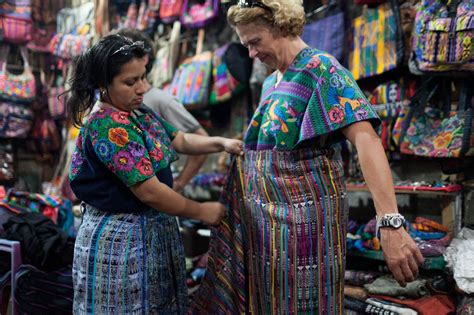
(443, 38)
(196, 14)
(170, 10)
(224, 85)
(378, 45)
(439, 131)
(390, 100)
(191, 81)
(15, 21)
(13, 87)
(326, 34)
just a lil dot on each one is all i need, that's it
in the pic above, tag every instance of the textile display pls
(16, 87)
(191, 81)
(443, 38)
(197, 14)
(377, 45)
(326, 34)
(439, 131)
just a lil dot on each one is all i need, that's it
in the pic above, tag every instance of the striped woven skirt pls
(129, 264)
(281, 248)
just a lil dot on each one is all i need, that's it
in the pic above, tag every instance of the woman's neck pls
(292, 47)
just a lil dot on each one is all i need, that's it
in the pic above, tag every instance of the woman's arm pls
(190, 143)
(400, 251)
(161, 197)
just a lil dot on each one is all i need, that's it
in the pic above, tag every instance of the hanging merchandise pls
(192, 79)
(443, 38)
(197, 14)
(166, 57)
(327, 33)
(56, 98)
(224, 83)
(439, 131)
(170, 10)
(41, 37)
(369, 1)
(15, 120)
(13, 87)
(378, 44)
(390, 100)
(15, 21)
(45, 11)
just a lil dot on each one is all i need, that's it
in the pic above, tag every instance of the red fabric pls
(438, 304)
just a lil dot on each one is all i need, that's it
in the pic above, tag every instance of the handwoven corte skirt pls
(129, 264)
(281, 248)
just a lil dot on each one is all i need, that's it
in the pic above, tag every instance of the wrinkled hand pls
(233, 146)
(212, 212)
(401, 254)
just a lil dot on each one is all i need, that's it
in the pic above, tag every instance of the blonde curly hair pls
(287, 15)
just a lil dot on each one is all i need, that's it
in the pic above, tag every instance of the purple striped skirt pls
(281, 248)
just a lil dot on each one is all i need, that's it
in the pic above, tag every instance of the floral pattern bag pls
(439, 132)
(13, 87)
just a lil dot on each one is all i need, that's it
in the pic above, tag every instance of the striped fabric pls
(375, 44)
(129, 264)
(281, 249)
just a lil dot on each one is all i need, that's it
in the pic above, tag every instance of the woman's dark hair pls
(96, 68)
(137, 35)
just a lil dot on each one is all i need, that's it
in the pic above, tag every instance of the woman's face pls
(128, 87)
(261, 42)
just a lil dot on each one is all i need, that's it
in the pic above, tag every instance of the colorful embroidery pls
(133, 147)
(315, 97)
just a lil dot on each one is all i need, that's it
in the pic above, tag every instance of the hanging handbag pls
(326, 33)
(377, 41)
(224, 83)
(197, 14)
(56, 98)
(191, 81)
(443, 38)
(170, 10)
(15, 120)
(15, 21)
(439, 132)
(21, 87)
(390, 100)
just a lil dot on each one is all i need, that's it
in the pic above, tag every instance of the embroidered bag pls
(326, 34)
(15, 120)
(191, 81)
(56, 103)
(170, 10)
(378, 44)
(224, 83)
(390, 99)
(21, 87)
(196, 14)
(41, 37)
(439, 132)
(67, 46)
(15, 21)
(443, 38)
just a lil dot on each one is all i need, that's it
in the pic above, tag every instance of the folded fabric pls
(389, 286)
(465, 306)
(426, 235)
(438, 304)
(364, 308)
(359, 278)
(355, 292)
(391, 306)
(432, 224)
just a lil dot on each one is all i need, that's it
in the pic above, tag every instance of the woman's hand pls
(211, 213)
(401, 253)
(233, 146)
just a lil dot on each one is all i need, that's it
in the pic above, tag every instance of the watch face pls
(396, 222)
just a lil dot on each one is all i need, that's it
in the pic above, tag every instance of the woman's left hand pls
(233, 146)
(401, 253)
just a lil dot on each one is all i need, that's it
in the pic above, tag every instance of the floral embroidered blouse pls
(116, 150)
(315, 97)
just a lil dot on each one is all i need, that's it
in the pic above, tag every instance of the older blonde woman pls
(282, 248)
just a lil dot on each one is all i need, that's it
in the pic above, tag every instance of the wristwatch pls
(391, 220)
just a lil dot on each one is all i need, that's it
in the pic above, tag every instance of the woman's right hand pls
(212, 213)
